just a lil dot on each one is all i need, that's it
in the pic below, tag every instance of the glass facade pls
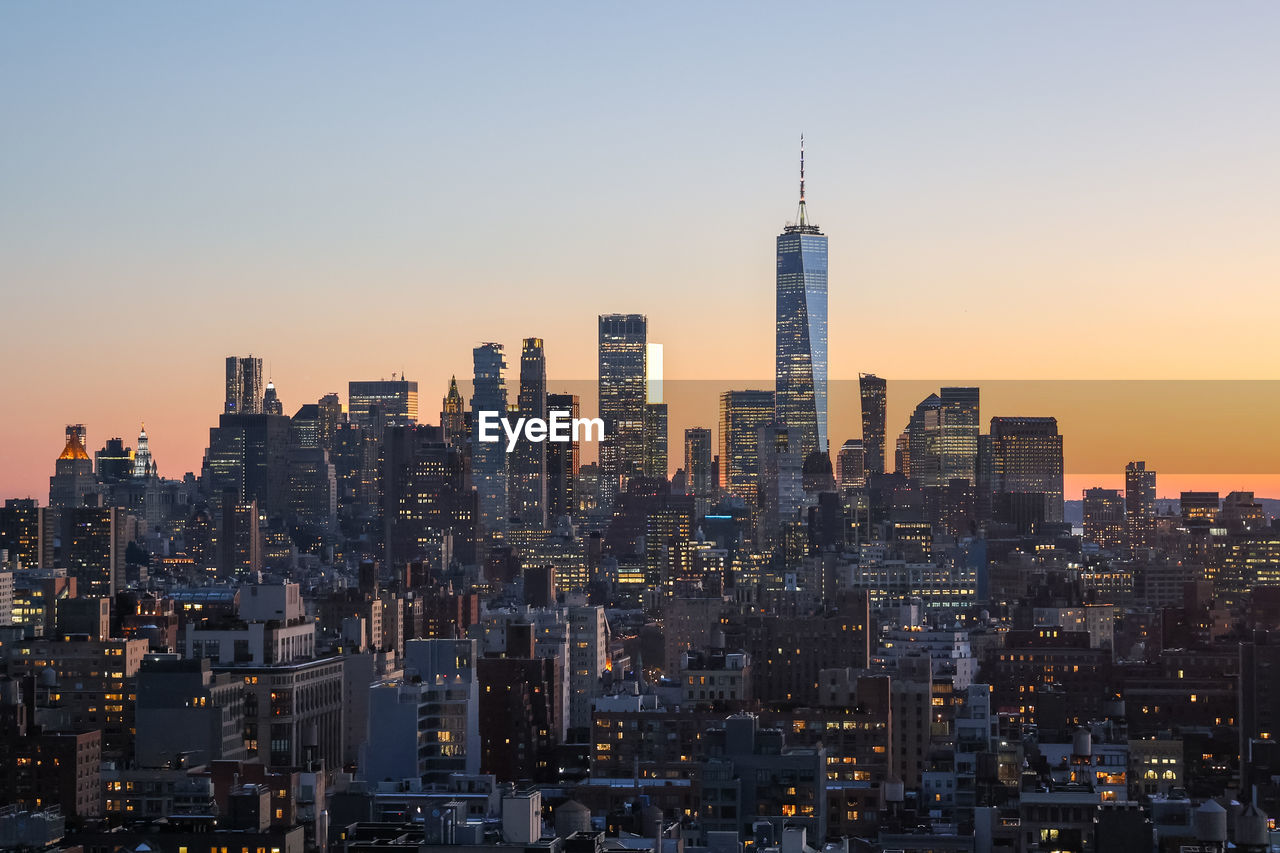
(489, 458)
(802, 334)
(623, 393)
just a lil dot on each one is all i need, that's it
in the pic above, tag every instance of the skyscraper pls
(244, 386)
(271, 404)
(922, 461)
(489, 458)
(1103, 517)
(958, 435)
(114, 462)
(1139, 505)
(655, 441)
(698, 468)
(528, 486)
(851, 465)
(623, 394)
(143, 464)
(72, 479)
(801, 379)
(742, 413)
(1026, 469)
(563, 460)
(453, 414)
(383, 403)
(872, 390)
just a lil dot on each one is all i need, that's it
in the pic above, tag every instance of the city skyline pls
(1135, 198)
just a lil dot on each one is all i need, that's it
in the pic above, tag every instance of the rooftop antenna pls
(801, 219)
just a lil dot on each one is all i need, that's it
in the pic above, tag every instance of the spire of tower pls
(800, 219)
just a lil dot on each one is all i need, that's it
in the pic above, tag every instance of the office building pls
(851, 465)
(801, 332)
(872, 391)
(381, 403)
(73, 480)
(248, 457)
(1104, 518)
(923, 461)
(742, 413)
(114, 462)
(563, 461)
(527, 485)
(144, 464)
(271, 404)
(453, 415)
(489, 458)
(1026, 469)
(699, 469)
(655, 441)
(623, 393)
(958, 435)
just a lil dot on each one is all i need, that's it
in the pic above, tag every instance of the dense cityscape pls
(364, 626)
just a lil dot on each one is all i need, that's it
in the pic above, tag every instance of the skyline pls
(1138, 183)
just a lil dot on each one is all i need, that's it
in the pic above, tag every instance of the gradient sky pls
(1012, 191)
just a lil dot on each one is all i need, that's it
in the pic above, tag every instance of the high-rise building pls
(328, 415)
(114, 462)
(1026, 469)
(742, 413)
(312, 489)
(426, 726)
(563, 460)
(872, 391)
(958, 435)
(72, 479)
(429, 503)
(271, 404)
(588, 656)
(26, 532)
(244, 386)
(93, 541)
(1139, 505)
(699, 468)
(623, 389)
(1103, 517)
(489, 458)
(239, 537)
(656, 428)
(144, 465)
(923, 463)
(382, 403)
(453, 415)
(851, 465)
(528, 480)
(248, 455)
(801, 333)
(781, 480)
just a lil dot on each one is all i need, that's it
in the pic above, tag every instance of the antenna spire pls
(801, 217)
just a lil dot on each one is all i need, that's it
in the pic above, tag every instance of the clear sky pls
(1011, 189)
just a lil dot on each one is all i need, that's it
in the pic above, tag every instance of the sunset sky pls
(1012, 191)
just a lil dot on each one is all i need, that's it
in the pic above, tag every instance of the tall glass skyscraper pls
(801, 380)
(623, 394)
(489, 458)
(529, 464)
